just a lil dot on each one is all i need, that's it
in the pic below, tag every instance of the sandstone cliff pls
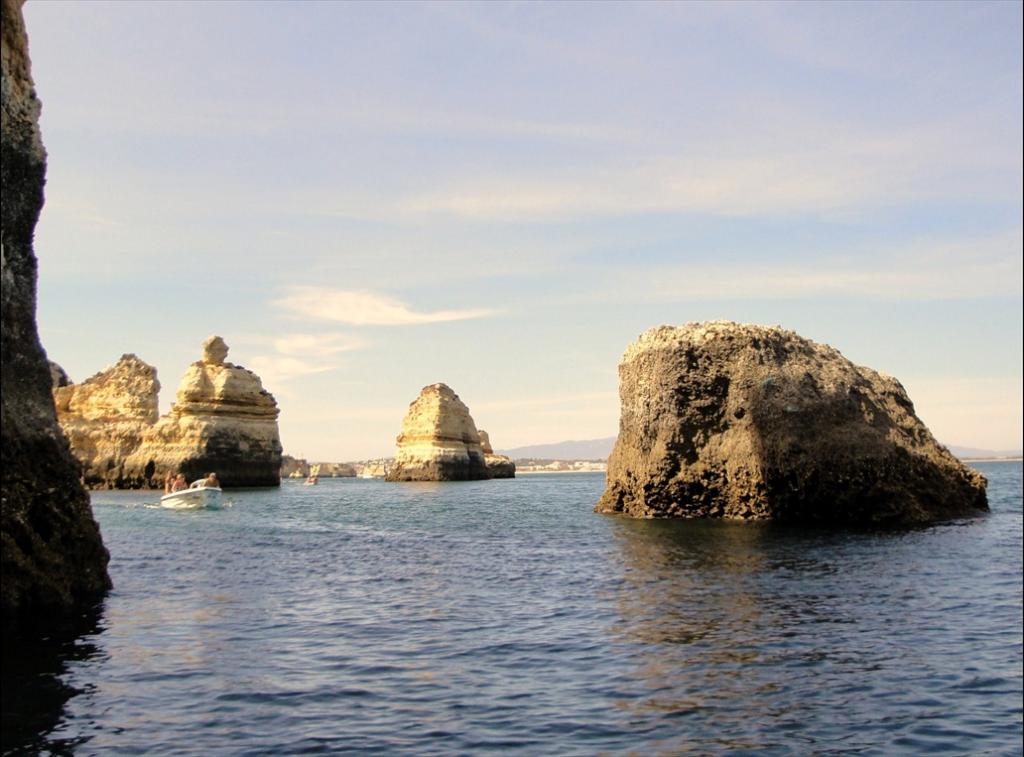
(105, 418)
(335, 470)
(223, 421)
(439, 441)
(374, 468)
(498, 466)
(50, 546)
(294, 467)
(738, 421)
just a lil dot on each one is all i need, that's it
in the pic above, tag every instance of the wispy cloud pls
(295, 356)
(790, 172)
(361, 308)
(305, 345)
(276, 370)
(922, 270)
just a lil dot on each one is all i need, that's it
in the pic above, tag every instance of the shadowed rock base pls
(737, 421)
(473, 469)
(498, 466)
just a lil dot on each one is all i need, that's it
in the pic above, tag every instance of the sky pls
(363, 199)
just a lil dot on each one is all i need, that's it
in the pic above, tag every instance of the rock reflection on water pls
(720, 638)
(34, 692)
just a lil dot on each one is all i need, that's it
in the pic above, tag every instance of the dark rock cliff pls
(747, 422)
(52, 554)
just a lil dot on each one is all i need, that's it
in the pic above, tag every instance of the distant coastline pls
(550, 472)
(1008, 459)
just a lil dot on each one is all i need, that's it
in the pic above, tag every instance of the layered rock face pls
(749, 422)
(223, 421)
(439, 441)
(105, 418)
(52, 554)
(499, 466)
(294, 467)
(375, 468)
(335, 470)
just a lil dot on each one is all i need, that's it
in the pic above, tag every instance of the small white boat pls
(193, 499)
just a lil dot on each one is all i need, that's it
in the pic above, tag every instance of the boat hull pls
(192, 499)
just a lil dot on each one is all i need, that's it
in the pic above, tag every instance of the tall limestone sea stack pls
(738, 421)
(439, 441)
(223, 421)
(53, 557)
(106, 417)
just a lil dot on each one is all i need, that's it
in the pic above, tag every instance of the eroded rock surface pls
(53, 557)
(223, 421)
(105, 418)
(498, 466)
(439, 441)
(58, 376)
(294, 467)
(738, 421)
(374, 469)
(335, 470)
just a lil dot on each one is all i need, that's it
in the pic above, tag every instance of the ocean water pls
(504, 616)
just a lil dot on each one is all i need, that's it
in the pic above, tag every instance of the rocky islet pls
(223, 420)
(439, 440)
(738, 421)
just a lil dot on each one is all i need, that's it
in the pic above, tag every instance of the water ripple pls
(504, 616)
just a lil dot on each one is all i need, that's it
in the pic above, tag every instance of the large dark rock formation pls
(750, 422)
(52, 554)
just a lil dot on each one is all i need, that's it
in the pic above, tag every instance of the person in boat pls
(168, 481)
(209, 480)
(179, 483)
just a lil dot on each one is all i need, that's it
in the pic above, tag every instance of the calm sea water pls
(504, 616)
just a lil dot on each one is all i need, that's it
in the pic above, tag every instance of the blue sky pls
(366, 198)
